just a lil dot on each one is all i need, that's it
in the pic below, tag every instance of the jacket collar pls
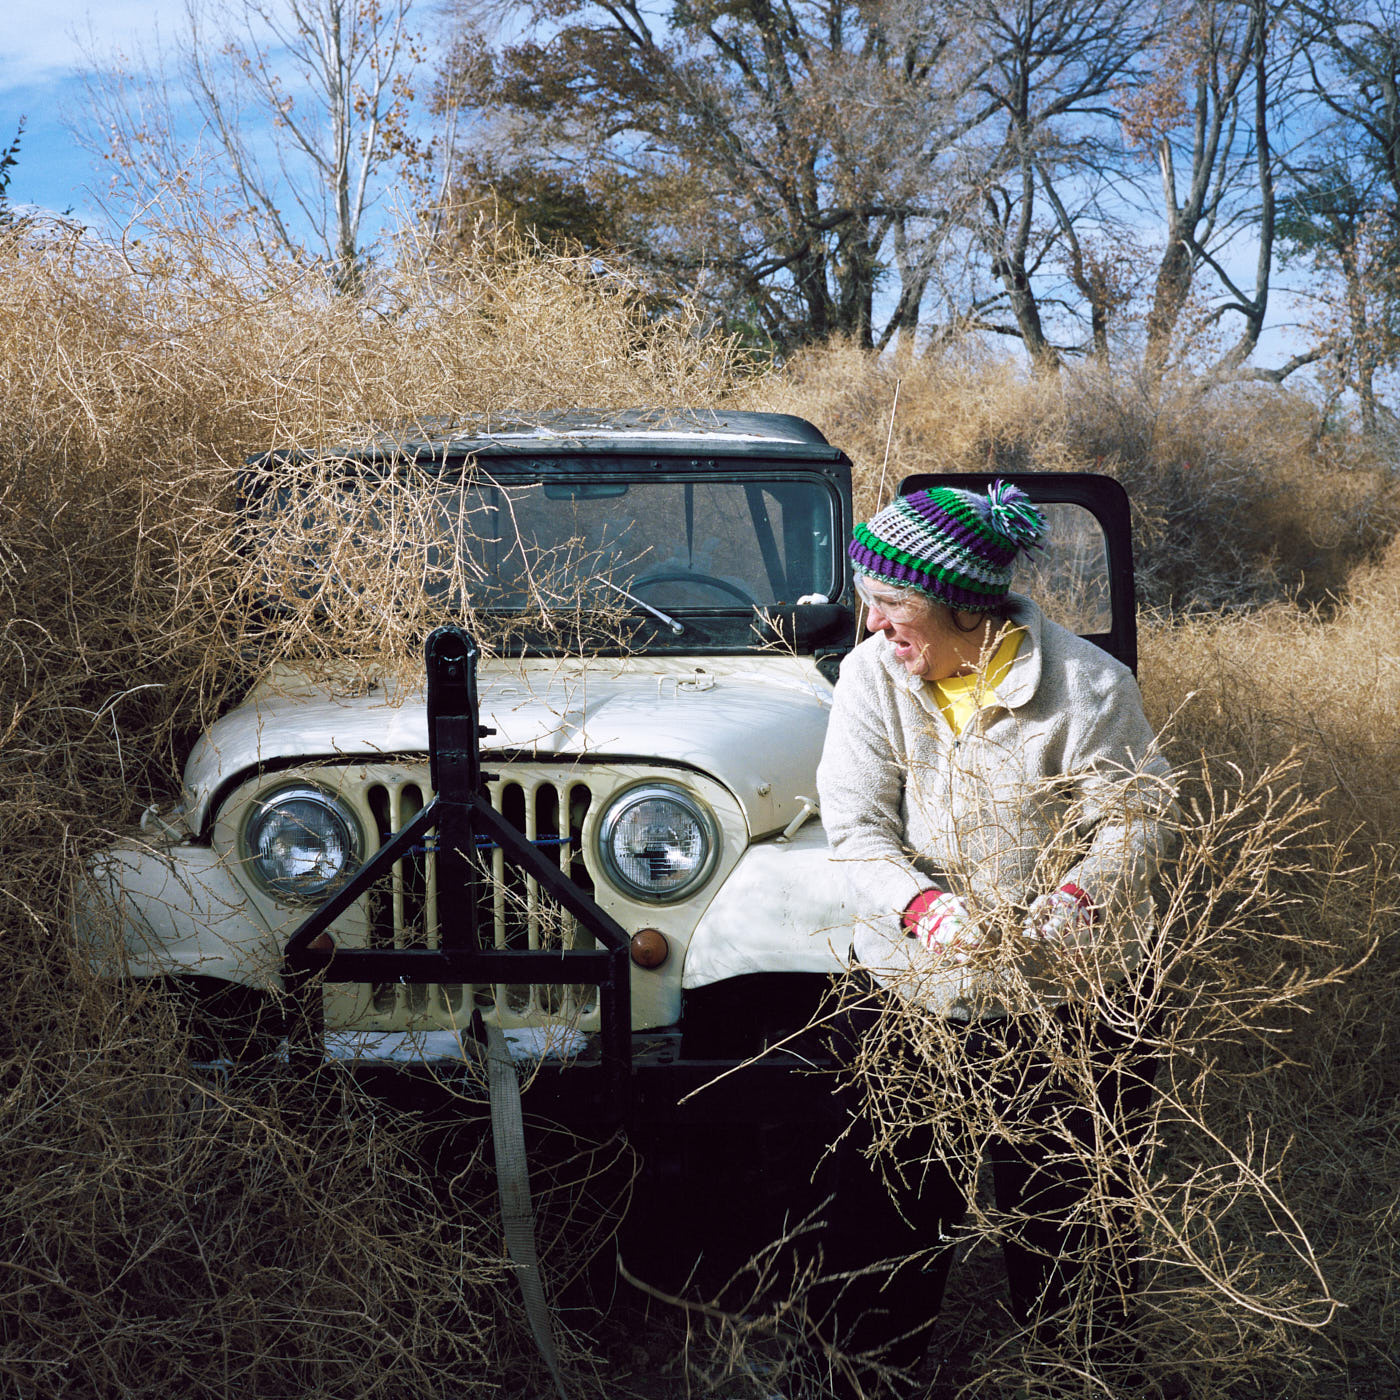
(1023, 679)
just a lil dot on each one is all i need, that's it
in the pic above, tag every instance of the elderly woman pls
(991, 787)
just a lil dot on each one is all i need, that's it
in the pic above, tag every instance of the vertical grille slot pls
(577, 797)
(551, 815)
(411, 912)
(403, 910)
(380, 906)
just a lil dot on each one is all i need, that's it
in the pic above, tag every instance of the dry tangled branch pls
(167, 1234)
(265, 1237)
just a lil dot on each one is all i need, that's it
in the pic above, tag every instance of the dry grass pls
(1237, 499)
(163, 1235)
(160, 1240)
(1267, 926)
(1251, 689)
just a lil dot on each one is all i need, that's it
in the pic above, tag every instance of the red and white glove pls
(1059, 917)
(942, 923)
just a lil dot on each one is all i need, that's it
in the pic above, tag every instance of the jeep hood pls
(759, 735)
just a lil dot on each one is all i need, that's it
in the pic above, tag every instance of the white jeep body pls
(736, 727)
(727, 533)
(741, 734)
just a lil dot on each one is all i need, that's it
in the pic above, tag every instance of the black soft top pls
(630, 433)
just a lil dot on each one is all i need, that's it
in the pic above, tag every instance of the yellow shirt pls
(960, 697)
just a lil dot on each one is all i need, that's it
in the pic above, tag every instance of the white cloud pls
(45, 42)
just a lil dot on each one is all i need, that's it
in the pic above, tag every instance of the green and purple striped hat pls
(959, 547)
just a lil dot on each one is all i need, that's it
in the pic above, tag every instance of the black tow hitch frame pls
(465, 822)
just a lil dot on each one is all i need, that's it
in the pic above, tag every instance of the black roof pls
(614, 432)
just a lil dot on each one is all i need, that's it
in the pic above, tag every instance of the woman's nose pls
(875, 620)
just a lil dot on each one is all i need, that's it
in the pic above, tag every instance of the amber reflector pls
(649, 947)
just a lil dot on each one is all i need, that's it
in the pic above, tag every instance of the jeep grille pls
(549, 809)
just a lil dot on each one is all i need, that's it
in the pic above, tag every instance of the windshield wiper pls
(670, 621)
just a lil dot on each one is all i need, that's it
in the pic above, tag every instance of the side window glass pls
(1070, 578)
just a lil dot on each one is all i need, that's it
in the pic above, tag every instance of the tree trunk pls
(1168, 298)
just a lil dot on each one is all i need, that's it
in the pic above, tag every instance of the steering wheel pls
(721, 585)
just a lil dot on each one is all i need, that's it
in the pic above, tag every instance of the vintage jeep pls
(665, 773)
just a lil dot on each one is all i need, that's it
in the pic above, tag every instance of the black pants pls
(1059, 1104)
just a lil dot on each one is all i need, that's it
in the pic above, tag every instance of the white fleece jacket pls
(1055, 779)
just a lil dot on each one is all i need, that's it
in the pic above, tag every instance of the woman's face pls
(925, 641)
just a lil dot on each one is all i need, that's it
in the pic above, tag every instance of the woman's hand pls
(1059, 917)
(942, 923)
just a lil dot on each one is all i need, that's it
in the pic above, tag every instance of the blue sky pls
(41, 49)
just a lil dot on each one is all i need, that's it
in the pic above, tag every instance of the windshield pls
(675, 544)
(497, 542)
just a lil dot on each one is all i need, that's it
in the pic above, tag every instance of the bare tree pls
(779, 155)
(1209, 121)
(1341, 212)
(832, 167)
(299, 106)
(891, 168)
(1056, 71)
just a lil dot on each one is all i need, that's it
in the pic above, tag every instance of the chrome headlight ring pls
(301, 842)
(657, 842)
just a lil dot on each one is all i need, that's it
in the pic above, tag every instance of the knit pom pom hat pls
(957, 546)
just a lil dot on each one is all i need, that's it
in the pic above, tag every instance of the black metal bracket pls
(464, 819)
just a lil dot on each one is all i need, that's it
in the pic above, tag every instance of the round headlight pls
(657, 842)
(301, 842)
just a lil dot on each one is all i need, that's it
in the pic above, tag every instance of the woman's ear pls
(962, 623)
